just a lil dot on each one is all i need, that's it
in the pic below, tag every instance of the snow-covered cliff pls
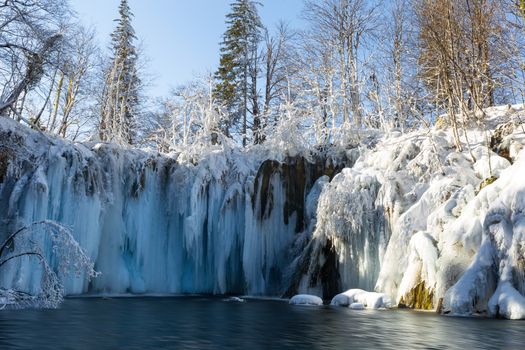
(413, 218)
(432, 227)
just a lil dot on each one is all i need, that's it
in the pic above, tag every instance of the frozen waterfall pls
(401, 214)
(154, 225)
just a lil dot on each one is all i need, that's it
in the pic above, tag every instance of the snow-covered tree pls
(342, 27)
(188, 120)
(121, 93)
(67, 258)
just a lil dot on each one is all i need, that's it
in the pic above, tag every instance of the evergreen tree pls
(237, 74)
(120, 96)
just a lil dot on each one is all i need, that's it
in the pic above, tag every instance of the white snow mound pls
(356, 306)
(369, 300)
(306, 299)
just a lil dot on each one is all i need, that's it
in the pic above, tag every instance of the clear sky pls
(180, 37)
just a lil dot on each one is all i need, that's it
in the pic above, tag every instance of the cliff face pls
(403, 214)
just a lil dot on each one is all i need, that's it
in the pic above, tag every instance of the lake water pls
(212, 323)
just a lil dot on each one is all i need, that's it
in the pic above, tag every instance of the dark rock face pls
(497, 140)
(330, 278)
(298, 176)
(326, 274)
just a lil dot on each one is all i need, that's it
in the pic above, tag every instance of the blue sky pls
(180, 37)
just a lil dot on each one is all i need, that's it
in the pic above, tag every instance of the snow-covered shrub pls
(38, 241)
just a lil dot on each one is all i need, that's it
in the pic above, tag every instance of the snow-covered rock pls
(370, 300)
(427, 225)
(356, 306)
(235, 300)
(489, 283)
(306, 299)
(346, 298)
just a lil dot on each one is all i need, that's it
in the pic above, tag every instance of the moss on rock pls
(420, 297)
(486, 182)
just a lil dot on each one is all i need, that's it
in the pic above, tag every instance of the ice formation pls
(430, 227)
(409, 217)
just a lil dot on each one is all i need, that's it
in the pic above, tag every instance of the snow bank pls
(306, 299)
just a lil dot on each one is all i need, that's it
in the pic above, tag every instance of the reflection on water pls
(211, 323)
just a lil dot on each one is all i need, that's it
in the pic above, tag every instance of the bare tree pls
(278, 67)
(457, 54)
(78, 69)
(31, 77)
(315, 83)
(29, 33)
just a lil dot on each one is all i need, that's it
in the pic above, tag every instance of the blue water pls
(211, 323)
